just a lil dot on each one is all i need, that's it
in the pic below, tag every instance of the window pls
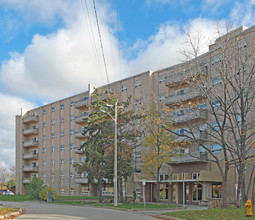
(71, 103)
(62, 120)
(71, 132)
(162, 96)
(216, 190)
(202, 149)
(44, 175)
(62, 134)
(44, 111)
(62, 190)
(242, 44)
(72, 117)
(52, 149)
(138, 171)
(197, 192)
(62, 161)
(62, 175)
(137, 155)
(216, 81)
(215, 60)
(216, 148)
(52, 162)
(62, 106)
(137, 83)
(203, 63)
(71, 175)
(124, 87)
(53, 122)
(216, 126)
(138, 102)
(203, 105)
(107, 190)
(83, 159)
(62, 148)
(241, 70)
(53, 136)
(52, 109)
(44, 150)
(239, 119)
(44, 124)
(216, 104)
(85, 190)
(44, 163)
(72, 190)
(162, 78)
(71, 160)
(44, 137)
(138, 192)
(71, 146)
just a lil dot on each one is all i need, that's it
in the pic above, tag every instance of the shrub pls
(43, 193)
(34, 187)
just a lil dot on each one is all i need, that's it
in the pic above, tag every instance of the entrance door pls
(197, 192)
(187, 193)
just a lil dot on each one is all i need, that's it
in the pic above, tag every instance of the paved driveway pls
(41, 210)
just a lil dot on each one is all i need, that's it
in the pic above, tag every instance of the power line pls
(91, 35)
(101, 43)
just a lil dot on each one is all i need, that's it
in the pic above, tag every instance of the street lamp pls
(115, 186)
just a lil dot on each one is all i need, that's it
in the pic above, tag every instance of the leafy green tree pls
(99, 147)
(34, 187)
(11, 184)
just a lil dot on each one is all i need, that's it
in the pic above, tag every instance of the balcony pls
(31, 155)
(30, 118)
(190, 116)
(30, 168)
(178, 99)
(78, 150)
(193, 157)
(82, 104)
(31, 130)
(81, 119)
(81, 180)
(196, 135)
(184, 76)
(30, 143)
(79, 135)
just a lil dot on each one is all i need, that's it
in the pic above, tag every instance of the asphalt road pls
(41, 210)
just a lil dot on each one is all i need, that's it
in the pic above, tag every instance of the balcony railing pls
(30, 118)
(184, 76)
(78, 150)
(190, 136)
(79, 135)
(191, 115)
(31, 130)
(30, 143)
(80, 119)
(176, 99)
(193, 157)
(30, 168)
(81, 104)
(30, 155)
(81, 180)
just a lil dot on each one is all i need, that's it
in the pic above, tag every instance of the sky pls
(50, 50)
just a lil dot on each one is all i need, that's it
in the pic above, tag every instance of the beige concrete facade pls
(47, 137)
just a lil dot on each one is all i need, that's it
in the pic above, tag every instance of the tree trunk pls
(224, 188)
(157, 187)
(239, 183)
(121, 183)
(99, 189)
(253, 192)
(250, 181)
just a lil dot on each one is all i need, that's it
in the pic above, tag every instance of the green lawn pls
(4, 211)
(76, 198)
(16, 198)
(215, 214)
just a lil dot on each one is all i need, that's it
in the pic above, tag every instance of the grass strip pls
(18, 198)
(215, 214)
(4, 211)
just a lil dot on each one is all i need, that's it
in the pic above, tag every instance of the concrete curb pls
(12, 215)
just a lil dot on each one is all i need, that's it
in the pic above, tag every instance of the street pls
(42, 210)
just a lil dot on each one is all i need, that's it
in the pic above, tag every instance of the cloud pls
(63, 61)
(243, 13)
(11, 106)
(163, 49)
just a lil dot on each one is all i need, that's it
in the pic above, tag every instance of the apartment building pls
(48, 137)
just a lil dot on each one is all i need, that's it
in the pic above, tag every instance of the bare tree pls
(225, 81)
(4, 176)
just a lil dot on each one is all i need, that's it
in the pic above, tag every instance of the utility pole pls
(115, 182)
